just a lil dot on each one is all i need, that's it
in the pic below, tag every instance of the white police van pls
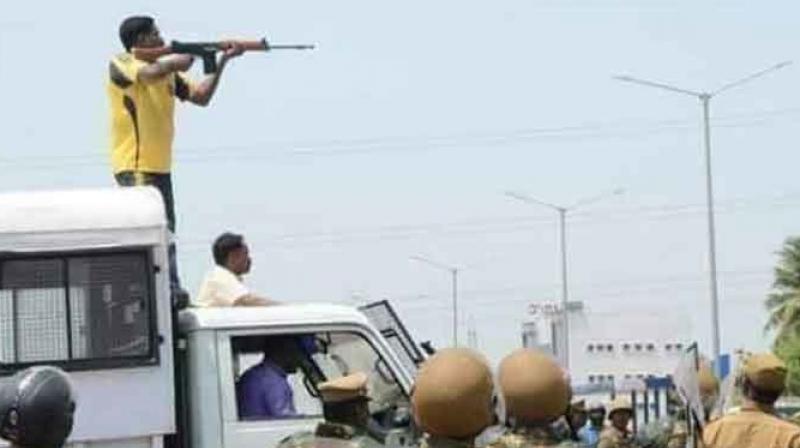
(84, 286)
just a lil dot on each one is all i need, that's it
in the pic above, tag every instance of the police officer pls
(452, 398)
(346, 411)
(617, 435)
(535, 393)
(762, 382)
(36, 408)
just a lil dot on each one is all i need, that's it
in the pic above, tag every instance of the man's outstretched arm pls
(165, 66)
(202, 94)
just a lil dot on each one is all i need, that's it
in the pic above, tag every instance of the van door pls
(385, 319)
(269, 382)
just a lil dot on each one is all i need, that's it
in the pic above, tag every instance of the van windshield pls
(306, 360)
(343, 354)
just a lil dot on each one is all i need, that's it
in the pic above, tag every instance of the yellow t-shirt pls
(142, 116)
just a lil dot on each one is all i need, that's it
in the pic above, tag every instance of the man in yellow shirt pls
(142, 98)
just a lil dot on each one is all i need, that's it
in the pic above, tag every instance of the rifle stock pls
(208, 50)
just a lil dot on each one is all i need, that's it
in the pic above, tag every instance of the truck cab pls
(333, 341)
(84, 286)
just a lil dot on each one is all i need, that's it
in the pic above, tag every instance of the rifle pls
(208, 50)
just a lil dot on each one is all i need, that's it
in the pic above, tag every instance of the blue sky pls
(399, 134)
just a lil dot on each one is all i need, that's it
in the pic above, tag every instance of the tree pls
(788, 349)
(783, 304)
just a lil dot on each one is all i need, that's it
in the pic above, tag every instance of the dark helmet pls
(36, 408)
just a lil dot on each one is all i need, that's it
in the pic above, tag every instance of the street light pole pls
(712, 234)
(562, 217)
(705, 102)
(454, 273)
(562, 224)
(453, 270)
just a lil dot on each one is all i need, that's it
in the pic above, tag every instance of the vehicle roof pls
(193, 319)
(80, 209)
(81, 219)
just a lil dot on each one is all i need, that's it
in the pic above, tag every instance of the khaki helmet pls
(708, 382)
(533, 386)
(619, 404)
(452, 394)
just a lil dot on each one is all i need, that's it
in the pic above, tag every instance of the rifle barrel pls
(290, 47)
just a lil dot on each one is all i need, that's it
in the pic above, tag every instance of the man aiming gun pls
(142, 97)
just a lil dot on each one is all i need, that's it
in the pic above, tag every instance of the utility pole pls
(453, 270)
(705, 104)
(562, 225)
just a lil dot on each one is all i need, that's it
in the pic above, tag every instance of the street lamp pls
(453, 270)
(562, 219)
(705, 100)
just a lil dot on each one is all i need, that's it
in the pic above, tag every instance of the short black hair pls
(759, 395)
(132, 27)
(224, 245)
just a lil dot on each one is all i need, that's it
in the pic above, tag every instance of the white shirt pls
(220, 287)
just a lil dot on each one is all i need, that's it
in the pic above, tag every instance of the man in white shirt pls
(223, 285)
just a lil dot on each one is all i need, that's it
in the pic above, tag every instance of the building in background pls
(610, 349)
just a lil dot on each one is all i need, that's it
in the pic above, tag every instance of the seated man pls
(263, 391)
(223, 285)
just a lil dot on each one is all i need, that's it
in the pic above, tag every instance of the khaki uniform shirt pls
(530, 437)
(331, 435)
(751, 427)
(612, 437)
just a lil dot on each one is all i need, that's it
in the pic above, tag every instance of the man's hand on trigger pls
(234, 50)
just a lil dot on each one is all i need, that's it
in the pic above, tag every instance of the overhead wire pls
(346, 147)
(492, 297)
(506, 225)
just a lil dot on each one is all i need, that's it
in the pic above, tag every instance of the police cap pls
(619, 404)
(345, 388)
(765, 371)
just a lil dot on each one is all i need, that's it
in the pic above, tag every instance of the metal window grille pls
(86, 310)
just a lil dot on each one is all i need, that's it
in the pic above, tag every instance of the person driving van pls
(263, 391)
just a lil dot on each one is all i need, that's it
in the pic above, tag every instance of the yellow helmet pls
(533, 386)
(452, 394)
